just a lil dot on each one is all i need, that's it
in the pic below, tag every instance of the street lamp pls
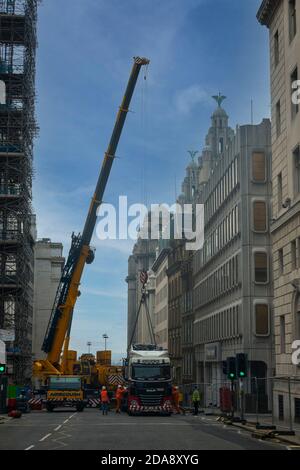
(89, 344)
(105, 337)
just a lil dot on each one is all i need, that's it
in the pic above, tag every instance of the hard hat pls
(119, 386)
(103, 388)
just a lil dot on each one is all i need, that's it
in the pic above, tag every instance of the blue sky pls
(197, 48)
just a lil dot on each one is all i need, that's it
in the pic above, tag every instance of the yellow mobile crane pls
(58, 332)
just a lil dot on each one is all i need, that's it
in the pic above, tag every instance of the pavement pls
(89, 430)
(281, 431)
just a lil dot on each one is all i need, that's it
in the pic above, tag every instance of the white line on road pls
(45, 437)
(30, 447)
(72, 415)
(58, 427)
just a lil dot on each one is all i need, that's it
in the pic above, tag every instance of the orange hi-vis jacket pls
(119, 393)
(175, 395)
(104, 396)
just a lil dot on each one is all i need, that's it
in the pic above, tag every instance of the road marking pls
(30, 447)
(66, 421)
(58, 427)
(45, 437)
(72, 415)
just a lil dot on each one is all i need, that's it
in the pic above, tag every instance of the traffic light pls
(231, 368)
(241, 365)
(2, 369)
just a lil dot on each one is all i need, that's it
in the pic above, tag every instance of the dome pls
(220, 113)
(181, 198)
(192, 165)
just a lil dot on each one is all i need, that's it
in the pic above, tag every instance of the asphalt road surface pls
(89, 430)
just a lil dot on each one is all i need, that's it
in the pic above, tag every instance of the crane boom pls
(80, 252)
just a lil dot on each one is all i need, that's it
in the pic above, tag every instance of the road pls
(89, 430)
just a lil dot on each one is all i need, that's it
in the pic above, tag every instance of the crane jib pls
(111, 151)
(54, 337)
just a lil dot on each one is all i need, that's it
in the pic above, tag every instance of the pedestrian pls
(104, 400)
(176, 400)
(119, 397)
(196, 400)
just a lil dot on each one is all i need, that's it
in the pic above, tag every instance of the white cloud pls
(187, 99)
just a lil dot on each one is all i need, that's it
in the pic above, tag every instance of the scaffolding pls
(17, 132)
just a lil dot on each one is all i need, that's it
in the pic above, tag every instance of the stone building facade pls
(282, 18)
(161, 316)
(48, 266)
(142, 259)
(174, 307)
(232, 293)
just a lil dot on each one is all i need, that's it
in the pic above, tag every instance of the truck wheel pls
(49, 408)
(79, 408)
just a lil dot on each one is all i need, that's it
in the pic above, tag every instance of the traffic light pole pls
(232, 399)
(242, 398)
(256, 391)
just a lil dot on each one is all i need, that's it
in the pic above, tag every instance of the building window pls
(282, 335)
(280, 262)
(276, 48)
(294, 107)
(261, 267)
(10, 265)
(293, 255)
(281, 407)
(9, 314)
(292, 19)
(259, 216)
(278, 119)
(259, 167)
(279, 191)
(296, 160)
(262, 320)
